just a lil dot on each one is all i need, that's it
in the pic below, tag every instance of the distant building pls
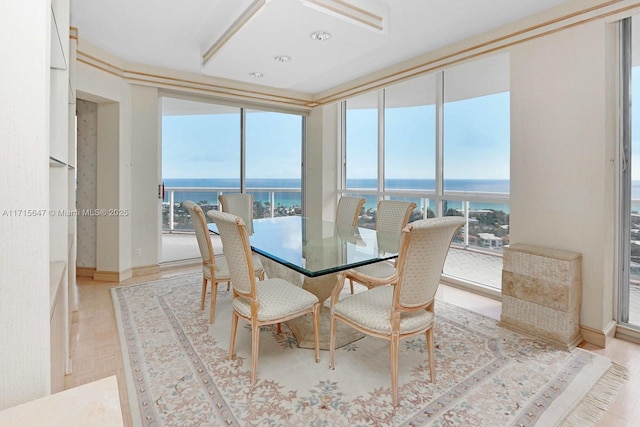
(489, 240)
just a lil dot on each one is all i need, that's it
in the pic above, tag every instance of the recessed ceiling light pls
(256, 74)
(282, 58)
(320, 35)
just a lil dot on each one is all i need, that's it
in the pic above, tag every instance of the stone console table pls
(541, 293)
(95, 404)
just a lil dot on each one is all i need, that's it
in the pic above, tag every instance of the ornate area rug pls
(178, 372)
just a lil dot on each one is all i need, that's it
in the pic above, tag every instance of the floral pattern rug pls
(179, 374)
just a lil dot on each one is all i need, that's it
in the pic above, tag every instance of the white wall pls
(24, 240)
(114, 179)
(111, 239)
(147, 174)
(128, 169)
(562, 168)
(321, 157)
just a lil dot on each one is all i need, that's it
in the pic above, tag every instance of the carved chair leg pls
(234, 329)
(255, 343)
(316, 330)
(332, 342)
(204, 292)
(394, 347)
(431, 354)
(214, 295)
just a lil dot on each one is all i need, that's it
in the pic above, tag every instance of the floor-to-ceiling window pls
(200, 156)
(410, 142)
(441, 140)
(209, 149)
(361, 147)
(274, 153)
(476, 129)
(629, 289)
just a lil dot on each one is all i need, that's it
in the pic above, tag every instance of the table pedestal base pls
(302, 329)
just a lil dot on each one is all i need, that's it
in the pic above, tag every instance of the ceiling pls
(231, 39)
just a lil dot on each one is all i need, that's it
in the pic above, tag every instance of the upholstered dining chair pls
(267, 302)
(391, 217)
(406, 308)
(348, 210)
(214, 268)
(240, 204)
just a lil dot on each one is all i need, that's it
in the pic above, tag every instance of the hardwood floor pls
(95, 346)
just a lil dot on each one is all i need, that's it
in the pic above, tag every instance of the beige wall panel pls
(561, 170)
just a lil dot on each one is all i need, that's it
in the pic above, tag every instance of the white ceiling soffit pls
(338, 9)
(283, 28)
(232, 38)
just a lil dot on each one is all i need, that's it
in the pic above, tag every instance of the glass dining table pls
(310, 253)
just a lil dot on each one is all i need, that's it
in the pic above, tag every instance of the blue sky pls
(208, 146)
(476, 143)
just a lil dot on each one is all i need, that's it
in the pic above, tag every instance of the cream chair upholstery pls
(348, 210)
(214, 268)
(391, 217)
(267, 302)
(406, 308)
(240, 204)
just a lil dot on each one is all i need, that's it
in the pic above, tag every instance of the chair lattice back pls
(348, 210)
(239, 204)
(423, 250)
(393, 215)
(237, 251)
(199, 223)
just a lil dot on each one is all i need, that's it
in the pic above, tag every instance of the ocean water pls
(293, 198)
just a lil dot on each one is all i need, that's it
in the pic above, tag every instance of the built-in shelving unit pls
(55, 163)
(62, 176)
(58, 58)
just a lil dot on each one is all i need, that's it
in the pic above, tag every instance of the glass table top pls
(315, 248)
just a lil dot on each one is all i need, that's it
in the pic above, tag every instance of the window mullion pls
(243, 150)
(381, 106)
(625, 174)
(439, 175)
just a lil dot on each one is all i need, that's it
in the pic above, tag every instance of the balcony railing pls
(272, 202)
(485, 233)
(486, 214)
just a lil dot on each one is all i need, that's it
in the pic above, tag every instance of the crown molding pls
(180, 81)
(495, 40)
(498, 39)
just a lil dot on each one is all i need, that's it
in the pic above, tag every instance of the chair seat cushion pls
(221, 271)
(222, 268)
(371, 310)
(278, 299)
(379, 270)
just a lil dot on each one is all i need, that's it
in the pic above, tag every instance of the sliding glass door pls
(210, 149)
